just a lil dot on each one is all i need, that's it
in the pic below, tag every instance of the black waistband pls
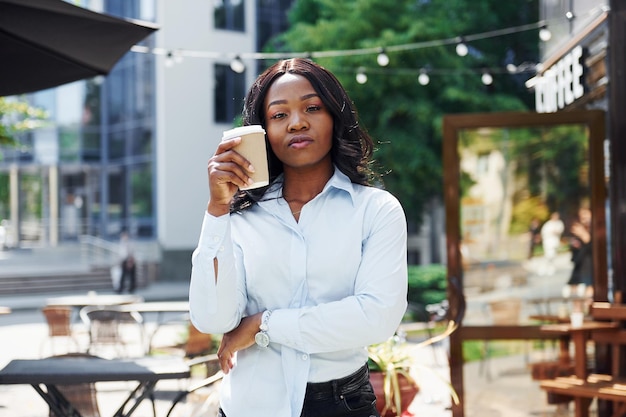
(337, 387)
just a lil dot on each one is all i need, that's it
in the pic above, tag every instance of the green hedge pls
(427, 285)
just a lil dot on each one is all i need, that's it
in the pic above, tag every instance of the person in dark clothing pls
(128, 264)
(580, 246)
(535, 236)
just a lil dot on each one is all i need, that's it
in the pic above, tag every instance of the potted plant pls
(390, 364)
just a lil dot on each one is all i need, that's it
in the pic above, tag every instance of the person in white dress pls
(551, 233)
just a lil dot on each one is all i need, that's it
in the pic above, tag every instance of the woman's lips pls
(300, 142)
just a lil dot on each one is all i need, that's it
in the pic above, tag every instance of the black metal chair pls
(105, 324)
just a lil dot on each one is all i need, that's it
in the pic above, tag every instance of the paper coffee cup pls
(577, 318)
(252, 147)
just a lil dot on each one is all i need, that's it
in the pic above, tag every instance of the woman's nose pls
(297, 122)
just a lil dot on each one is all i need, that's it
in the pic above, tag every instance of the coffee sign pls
(561, 84)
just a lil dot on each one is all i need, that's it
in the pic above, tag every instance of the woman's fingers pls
(229, 166)
(226, 361)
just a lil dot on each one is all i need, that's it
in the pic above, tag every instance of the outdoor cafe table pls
(91, 299)
(45, 375)
(578, 335)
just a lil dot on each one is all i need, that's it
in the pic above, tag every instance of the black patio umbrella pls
(46, 43)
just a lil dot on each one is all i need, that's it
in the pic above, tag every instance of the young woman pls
(302, 275)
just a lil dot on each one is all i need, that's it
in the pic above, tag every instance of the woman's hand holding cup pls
(228, 171)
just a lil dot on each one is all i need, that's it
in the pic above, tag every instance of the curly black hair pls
(352, 147)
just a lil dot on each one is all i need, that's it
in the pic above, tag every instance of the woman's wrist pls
(217, 210)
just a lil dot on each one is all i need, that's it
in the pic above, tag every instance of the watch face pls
(262, 339)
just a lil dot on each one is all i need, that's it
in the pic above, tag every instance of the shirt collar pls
(339, 181)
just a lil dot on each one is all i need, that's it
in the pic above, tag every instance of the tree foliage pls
(16, 117)
(403, 116)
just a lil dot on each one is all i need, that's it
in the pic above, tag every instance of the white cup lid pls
(242, 130)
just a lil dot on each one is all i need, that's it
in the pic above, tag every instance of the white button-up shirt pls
(336, 282)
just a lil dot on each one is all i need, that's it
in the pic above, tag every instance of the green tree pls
(402, 115)
(16, 117)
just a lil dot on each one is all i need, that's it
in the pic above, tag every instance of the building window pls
(229, 93)
(229, 15)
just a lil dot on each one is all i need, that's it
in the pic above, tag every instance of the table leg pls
(564, 356)
(581, 406)
(580, 348)
(56, 401)
(143, 390)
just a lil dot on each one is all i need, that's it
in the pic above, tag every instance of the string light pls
(486, 78)
(461, 48)
(425, 74)
(545, 34)
(382, 54)
(169, 60)
(237, 65)
(423, 78)
(342, 53)
(382, 58)
(361, 77)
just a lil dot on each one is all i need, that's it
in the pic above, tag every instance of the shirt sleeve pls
(216, 302)
(379, 302)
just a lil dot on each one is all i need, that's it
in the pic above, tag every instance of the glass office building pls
(94, 169)
(90, 170)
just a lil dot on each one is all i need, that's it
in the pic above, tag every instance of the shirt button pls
(216, 239)
(221, 248)
(305, 356)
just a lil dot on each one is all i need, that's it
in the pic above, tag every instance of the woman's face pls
(298, 125)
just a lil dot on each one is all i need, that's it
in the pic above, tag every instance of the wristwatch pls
(261, 338)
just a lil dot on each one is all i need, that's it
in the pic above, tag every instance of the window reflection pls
(511, 179)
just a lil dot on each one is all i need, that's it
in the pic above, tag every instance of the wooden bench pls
(583, 387)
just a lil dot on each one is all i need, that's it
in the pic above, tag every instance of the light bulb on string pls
(486, 78)
(423, 78)
(382, 58)
(169, 59)
(237, 65)
(361, 77)
(461, 48)
(545, 34)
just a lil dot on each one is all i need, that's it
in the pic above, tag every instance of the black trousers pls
(128, 278)
(351, 396)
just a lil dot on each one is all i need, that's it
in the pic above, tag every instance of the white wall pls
(186, 133)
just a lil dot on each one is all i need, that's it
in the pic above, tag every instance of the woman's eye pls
(277, 116)
(313, 108)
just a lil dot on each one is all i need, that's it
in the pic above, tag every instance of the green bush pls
(427, 285)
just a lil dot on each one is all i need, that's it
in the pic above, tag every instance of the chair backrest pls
(104, 324)
(82, 396)
(58, 319)
(506, 311)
